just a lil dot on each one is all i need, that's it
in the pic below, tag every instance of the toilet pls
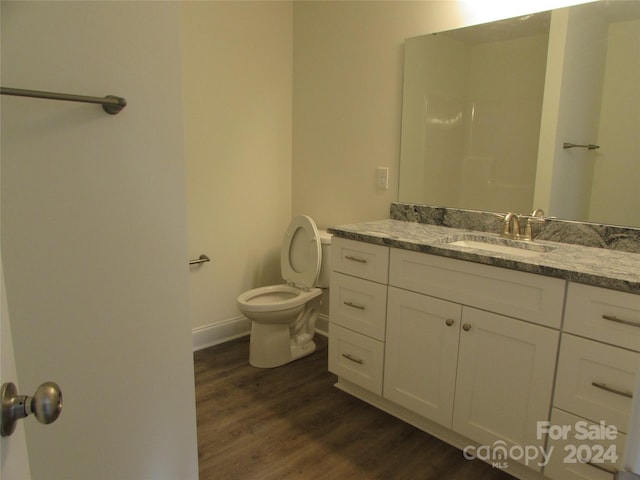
(283, 317)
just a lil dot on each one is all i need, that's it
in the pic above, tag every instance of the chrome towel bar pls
(591, 146)
(110, 104)
(201, 259)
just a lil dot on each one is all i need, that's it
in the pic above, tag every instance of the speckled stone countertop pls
(615, 269)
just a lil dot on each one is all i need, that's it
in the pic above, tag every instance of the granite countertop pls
(593, 266)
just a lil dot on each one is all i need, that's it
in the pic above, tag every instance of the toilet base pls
(271, 346)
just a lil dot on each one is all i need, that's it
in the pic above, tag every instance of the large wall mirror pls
(488, 109)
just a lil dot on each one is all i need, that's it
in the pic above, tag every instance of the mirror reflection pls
(487, 109)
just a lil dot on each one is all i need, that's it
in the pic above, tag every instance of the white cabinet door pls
(505, 378)
(421, 354)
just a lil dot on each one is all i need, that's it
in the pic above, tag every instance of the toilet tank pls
(325, 266)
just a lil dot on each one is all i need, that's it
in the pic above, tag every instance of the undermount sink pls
(498, 245)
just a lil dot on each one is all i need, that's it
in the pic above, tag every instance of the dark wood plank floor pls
(291, 423)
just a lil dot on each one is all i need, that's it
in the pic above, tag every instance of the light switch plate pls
(382, 178)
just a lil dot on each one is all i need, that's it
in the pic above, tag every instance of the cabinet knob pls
(466, 327)
(449, 322)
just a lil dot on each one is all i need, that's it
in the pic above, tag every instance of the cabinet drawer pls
(356, 358)
(565, 465)
(359, 305)
(522, 295)
(605, 315)
(596, 381)
(360, 259)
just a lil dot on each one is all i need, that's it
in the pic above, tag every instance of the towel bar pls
(110, 104)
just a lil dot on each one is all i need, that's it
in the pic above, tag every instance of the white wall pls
(237, 69)
(94, 238)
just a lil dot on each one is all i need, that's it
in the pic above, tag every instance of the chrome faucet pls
(511, 226)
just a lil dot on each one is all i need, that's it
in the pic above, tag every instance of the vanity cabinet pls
(470, 352)
(597, 366)
(358, 304)
(484, 375)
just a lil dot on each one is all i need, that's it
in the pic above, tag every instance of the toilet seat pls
(301, 253)
(275, 297)
(300, 260)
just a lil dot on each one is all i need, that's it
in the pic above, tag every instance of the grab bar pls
(201, 259)
(110, 104)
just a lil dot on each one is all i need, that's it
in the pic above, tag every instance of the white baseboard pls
(221, 332)
(217, 333)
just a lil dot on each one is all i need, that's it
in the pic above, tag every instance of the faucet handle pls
(537, 216)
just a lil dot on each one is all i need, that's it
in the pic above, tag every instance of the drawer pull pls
(612, 318)
(604, 386)
(466, 327)
(611, 471)
(353, 359)
(355, 259)
(354, 305)
(449, 322)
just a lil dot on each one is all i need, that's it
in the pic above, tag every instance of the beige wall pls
(347, 93)
(571, 109)
(289, 108)
(615, 177)
(347, 96)
(237, 68)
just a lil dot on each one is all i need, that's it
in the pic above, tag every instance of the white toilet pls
(283, 317)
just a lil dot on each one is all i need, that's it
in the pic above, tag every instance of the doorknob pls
(46, 405)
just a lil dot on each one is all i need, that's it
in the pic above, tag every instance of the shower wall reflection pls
(478, 122)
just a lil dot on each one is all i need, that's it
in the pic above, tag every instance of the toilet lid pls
(301, 253)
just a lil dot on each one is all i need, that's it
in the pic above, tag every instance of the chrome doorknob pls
(45, 404)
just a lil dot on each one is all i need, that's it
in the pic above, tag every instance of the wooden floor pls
(291, 423)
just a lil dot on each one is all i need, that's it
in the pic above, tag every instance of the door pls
(505, 378)
(422, 353)
(94, 240)
(14, 461)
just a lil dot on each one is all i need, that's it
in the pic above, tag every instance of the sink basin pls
(498, 245)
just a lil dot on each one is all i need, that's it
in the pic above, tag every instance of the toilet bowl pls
(283, 316)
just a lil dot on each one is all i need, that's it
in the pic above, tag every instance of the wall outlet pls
(382, 178)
